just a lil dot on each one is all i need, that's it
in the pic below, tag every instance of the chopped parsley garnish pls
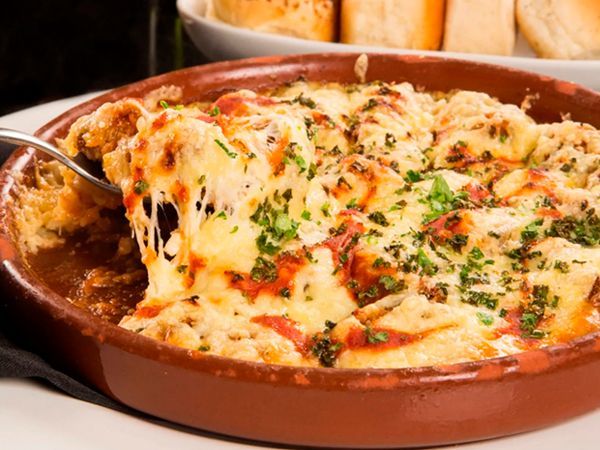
(413, 176)
(484, 318)
(476, 253)
(305, 215)
(164, 104)
(561, 266)
(325, 209)
(470, 273)
(503, 136)
(425, 263)
(265, 245)
(380, 262)
(457, 242)
(234, 229)
(534, 311)
(182, 268)
(140, 187)
(531, 231)
(325, 349)
(276, 224)
(442, 200)
(390, 140)
(391, 284)
(376, 337)
(305, 101)
(222, 215)
(292, 155)
(312, 171)
(379, 218)
(263, 270)
(215, 111)
(228, 152)
(372, 103)
(585, 231)
(204, 348)
(352, 204)
(480, 298)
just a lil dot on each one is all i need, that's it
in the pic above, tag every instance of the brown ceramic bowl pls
(309, 406)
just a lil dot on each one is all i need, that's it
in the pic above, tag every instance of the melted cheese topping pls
(355, 226)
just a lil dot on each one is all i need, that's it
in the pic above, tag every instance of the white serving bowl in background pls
(220, 41)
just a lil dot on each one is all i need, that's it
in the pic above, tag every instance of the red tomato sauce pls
(277, 155)
(237, 105)
(287, 266)
(147, 312)
(366, 276)
(340, 244)
(358, 339)
(449, 224)
(160, 121)
(477, 192)
(548, 212)
(287, 328)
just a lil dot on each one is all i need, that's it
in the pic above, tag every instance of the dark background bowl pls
(310, 406)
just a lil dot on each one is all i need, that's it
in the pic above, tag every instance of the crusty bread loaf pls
(416, 24)
(563, 29)
(480, 26)
(309, 19)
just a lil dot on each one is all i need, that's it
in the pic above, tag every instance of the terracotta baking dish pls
(308, 406)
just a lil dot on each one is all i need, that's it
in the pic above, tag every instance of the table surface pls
(34, 415)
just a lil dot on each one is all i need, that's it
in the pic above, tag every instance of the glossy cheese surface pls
(368, 225)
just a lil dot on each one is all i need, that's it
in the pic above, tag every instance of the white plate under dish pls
(220, 41)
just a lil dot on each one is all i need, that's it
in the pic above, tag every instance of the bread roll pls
(562, 29)
(415, 24)
(309, 19)
(480, 26)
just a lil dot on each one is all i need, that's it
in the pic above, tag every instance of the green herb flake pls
(140, 187)
(441, 199)
(325, 349)
(376, 337)
(413, 176)
(425, 263)
(531, 231)
(379, 218)
(228, 152)
(263, 270)
(485, 319)
(312, 171)
(391, 284)
(476, 253)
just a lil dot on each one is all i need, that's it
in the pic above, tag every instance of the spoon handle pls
(20, 138)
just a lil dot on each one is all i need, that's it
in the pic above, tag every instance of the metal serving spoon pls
(80, 164)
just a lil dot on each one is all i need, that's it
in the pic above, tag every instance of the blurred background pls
(60, 48)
